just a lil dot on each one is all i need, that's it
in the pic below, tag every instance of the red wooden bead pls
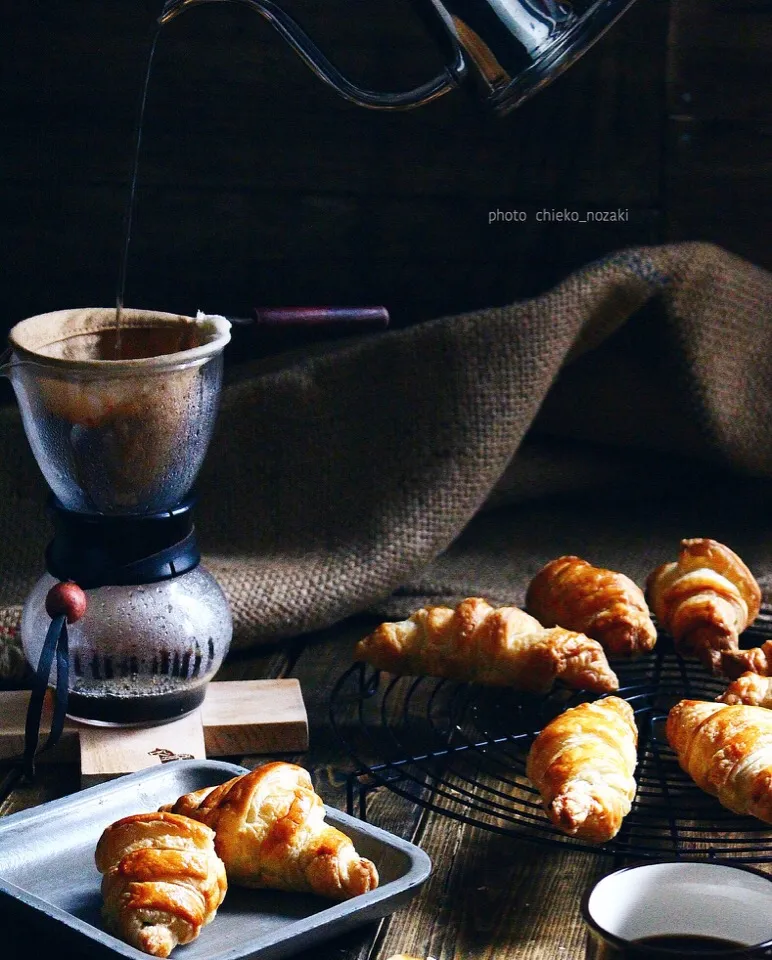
(66, 599)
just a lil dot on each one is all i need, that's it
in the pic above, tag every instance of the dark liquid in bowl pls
(683, 945)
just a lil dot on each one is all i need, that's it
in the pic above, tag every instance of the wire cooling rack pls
(460, 751)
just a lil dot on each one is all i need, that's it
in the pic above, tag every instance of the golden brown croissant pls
(750, 689)
(582, 764)
(476, 642)
(270, 832)
(607, 606)
(727, 751)
(704, 600)
(162, 880)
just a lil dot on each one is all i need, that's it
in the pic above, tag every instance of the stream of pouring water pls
(129, 213)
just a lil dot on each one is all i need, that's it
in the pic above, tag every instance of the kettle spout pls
(307, 50)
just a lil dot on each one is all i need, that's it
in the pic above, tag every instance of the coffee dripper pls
(505, 49)
(119, 422)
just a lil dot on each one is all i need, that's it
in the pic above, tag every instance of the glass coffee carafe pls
(119, 422)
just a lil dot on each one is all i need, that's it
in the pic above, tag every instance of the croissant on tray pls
(607, 606)
(582, 764)
(270, 832)
(478, 643)
(705, 600)
(162, 880)
(727, 750)
(750, 689)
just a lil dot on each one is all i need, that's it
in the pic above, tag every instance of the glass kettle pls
(507, 49)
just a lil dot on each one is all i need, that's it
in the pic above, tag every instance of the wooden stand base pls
(237, 717)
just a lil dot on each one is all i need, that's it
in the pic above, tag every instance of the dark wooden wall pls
(718, 157)
(258, 185)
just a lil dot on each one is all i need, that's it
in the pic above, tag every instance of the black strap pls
(56, 645)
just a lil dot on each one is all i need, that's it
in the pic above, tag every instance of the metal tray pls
(48, 877)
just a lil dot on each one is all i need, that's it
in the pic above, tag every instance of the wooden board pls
(264, 716)
(237, 717)
(720, 39)
(107, 752)
(718, 138)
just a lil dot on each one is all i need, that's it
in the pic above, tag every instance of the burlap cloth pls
(347, 480)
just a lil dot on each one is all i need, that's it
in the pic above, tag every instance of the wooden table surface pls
(488, 896)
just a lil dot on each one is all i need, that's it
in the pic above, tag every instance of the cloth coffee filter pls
(625, 409)
(119, 419)
(84, 340)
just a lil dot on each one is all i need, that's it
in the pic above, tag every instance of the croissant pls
(162, 880)
(704, 600)
(605, 605)
(496, 646)
(750, 689)
(727, 751)
(757, 660)
(582, 764)
(270, 832)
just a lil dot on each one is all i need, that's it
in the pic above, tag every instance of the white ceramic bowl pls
(686, 898)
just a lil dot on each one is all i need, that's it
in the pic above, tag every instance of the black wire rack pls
(460, 750)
